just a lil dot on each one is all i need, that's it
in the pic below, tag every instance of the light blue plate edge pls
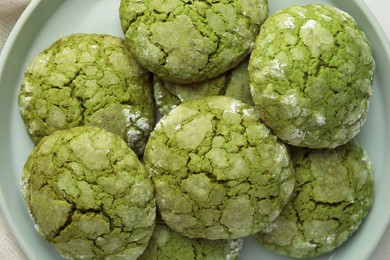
(9, 45)
(383, 45)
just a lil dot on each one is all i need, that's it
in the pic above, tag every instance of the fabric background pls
(10, 10)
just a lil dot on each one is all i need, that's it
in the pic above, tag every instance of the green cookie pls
(234, 83)
(333, 194)
(311, 75)
(219, 173)
(191, 41)
(167, 244)
(88, 79)
(89, 195)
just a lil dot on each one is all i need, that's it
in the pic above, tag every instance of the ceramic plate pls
(45, 21)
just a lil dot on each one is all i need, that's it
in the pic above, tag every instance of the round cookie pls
(187, 42)
(311, 75)
(168, 244)
(89, 195)
(219, 173)
(234, 83)
(88, 79)
(334, 193)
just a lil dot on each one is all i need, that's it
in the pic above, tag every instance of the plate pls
(45, 21)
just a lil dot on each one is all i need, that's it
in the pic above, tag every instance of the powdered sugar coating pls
(87, 79)
(311, 75)
(213, 36)
(219, 172)
(168, 244)
(89, 195)
(334, 193)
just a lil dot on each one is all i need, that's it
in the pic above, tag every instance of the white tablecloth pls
(10, 11)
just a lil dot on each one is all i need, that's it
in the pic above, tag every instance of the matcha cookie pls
(191, 41)
(311, 75)
(334, 192)
(88, 79)
(168, 244)
(89, 195)
(219, 173)
(234, 83)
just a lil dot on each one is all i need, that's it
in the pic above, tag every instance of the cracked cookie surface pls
(89, 195)
(333, 194)
(167, 244)
(191, 41)
(88, 79)
(234, 83)
(311, 75)
(218, 172)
